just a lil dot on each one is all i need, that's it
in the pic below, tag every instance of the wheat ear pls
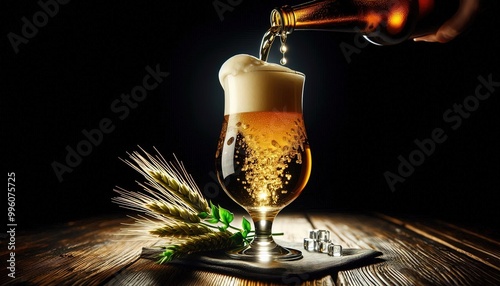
(157, 208)
(180, 230)
(205, 242)
(170, 179)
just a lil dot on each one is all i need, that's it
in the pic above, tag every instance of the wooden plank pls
(409, 258)
(295, 226)
(416, 252)
(77, 253)
(146, 272)
(476, 246)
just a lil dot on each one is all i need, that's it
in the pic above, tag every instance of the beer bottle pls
(382, 22)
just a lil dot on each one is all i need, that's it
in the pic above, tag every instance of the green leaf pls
(226, 217)
(213, 220)
(163, 259)
(245, 224)
(237, 238)
(203, 215)
(222, 228)
(214, 211)
(167, 255)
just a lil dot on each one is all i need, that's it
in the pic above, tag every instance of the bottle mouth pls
(275, 18)
(282, 19)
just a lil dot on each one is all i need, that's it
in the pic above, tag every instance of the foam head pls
(252, 85)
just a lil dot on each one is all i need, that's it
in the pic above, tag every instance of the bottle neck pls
(343, 16)
(391, 21)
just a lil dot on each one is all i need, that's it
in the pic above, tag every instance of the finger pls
(455, 25)
(459, 22)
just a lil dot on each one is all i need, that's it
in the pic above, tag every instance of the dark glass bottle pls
(382, 22)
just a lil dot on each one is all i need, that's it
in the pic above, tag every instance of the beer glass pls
(263, 159)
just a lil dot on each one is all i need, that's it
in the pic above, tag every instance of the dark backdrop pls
(362, 111)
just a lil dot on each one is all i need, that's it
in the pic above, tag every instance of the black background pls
(360, 114)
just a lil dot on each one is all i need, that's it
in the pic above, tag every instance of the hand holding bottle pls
(455, 25)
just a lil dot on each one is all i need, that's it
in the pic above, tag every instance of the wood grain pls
(410, 258)
(77, 253)
(476, 246)
(144, 272)
(416, 252)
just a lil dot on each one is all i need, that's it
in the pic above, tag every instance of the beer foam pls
(251, 85)
(245, 63)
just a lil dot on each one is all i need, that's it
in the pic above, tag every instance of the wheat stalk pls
(170, 193)
(170, 179)
(173, 211)
(180, 230)
(173, 208)
(156, 208)
(205, 242)
(182, 190)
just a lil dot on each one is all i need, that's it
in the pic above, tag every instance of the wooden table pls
(415, 252)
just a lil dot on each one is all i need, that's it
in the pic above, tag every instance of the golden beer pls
(264, 158)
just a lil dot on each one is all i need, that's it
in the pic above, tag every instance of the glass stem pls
(263, 223)
(263, 248)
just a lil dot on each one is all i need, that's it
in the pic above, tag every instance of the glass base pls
(256, 254)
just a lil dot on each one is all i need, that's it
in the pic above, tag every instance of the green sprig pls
(221, 219)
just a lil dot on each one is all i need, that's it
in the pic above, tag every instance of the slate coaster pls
(313, 264)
